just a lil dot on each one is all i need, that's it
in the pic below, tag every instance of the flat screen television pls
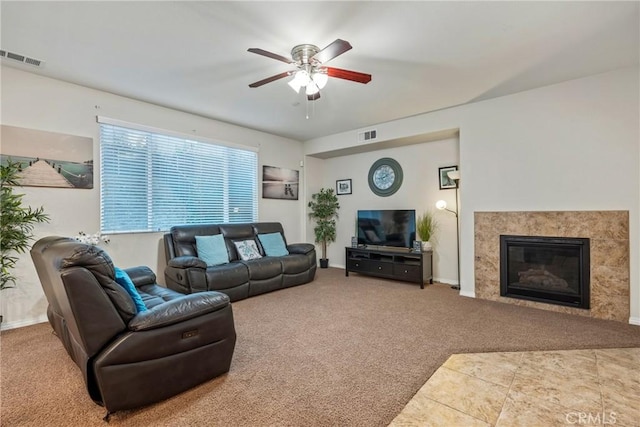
(395, 227)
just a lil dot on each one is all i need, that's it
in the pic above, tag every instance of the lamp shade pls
(295, 85)
(441, 204)
(302, 77)
(320, 79)
(454, 175)
(312, 89)
(311, 82)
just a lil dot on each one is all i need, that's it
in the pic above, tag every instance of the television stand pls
(386, 248)
(397, 263)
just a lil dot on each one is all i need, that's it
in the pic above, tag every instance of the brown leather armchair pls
(131, 359)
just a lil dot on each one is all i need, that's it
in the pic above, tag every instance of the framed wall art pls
(343, 186)
(445, 181)
(280, 183)
(48, 159)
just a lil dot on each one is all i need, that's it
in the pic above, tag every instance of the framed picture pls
(280, 183)
(48, 159)
(445, 181)
(343, 186)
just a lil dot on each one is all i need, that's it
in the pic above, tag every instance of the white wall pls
(569, 146)
(419, 191)
(314, 177)
(41, 103)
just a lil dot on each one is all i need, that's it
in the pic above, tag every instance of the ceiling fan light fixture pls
(320, 79)
(312, 89)
(300, 79)
(303, 78)
(295, 85)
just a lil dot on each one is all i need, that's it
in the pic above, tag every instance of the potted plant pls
(426, 226)
(16, 222)
(324, 210)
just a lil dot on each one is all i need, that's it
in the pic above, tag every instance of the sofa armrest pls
(179, 310)
(187, 262)
(141, 276)
(186, 274)
(300, 248)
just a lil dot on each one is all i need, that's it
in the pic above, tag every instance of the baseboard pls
(468, 294)
(634, 321)
(5, 326)
(445, 281)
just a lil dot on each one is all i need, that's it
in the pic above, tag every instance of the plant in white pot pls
(324, 210)
(426, 226)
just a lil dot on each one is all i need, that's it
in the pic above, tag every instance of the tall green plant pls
(17, 222)
(324, 210)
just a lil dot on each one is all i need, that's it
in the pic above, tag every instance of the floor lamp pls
(442, 205)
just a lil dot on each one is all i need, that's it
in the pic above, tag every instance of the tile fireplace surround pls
(608, 232)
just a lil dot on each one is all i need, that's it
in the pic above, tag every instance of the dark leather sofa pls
(129, 358)
(239, 279)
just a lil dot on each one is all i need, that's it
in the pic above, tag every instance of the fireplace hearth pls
(552, 270)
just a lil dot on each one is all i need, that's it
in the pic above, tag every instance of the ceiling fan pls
(310, 72)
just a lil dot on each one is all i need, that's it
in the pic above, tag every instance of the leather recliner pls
(131, 359)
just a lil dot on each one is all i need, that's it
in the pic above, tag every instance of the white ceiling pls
(423, 56)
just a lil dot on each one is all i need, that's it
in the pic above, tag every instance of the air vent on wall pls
(367, 135)
(21, 58)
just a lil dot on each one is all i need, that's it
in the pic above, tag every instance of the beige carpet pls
(336, 352)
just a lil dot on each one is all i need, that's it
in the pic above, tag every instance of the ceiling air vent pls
(21, 58)
(367, 135)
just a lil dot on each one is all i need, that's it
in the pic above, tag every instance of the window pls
(152, 181)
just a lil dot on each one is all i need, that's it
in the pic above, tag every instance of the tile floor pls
(538, 388)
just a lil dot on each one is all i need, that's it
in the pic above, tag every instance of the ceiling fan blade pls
(271, 55)
(336, 48)
(313, 97)
(354, 76)
(271, 79)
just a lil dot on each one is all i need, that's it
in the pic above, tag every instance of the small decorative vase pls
(426, 246)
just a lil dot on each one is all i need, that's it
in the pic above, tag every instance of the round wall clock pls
(385, 177)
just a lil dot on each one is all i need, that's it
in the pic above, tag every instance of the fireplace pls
(552, 270)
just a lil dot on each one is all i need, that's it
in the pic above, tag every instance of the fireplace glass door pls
(554, 270)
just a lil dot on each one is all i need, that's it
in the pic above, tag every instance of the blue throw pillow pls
(212, 250)
(273, 244)
(123, 279)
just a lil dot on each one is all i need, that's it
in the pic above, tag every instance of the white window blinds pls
(150, 181)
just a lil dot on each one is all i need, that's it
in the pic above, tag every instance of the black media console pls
(391, 263)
